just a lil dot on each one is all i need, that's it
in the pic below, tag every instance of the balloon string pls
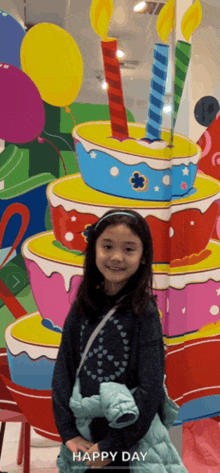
(41, 140)
(67, 110)
(57, 136)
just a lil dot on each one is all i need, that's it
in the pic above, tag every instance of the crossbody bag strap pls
(94, 334)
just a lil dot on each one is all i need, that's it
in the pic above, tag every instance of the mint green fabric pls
(115, 402)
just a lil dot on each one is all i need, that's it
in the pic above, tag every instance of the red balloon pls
(22, 114)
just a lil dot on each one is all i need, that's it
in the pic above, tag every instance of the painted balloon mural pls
(11, 36)
(25, 121)
(52, 59)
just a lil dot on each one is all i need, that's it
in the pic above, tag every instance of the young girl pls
(128, 350)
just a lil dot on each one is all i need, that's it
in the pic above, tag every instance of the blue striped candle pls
(157, 92)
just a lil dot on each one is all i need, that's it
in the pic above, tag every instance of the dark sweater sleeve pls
(149, 392)
(63, 381)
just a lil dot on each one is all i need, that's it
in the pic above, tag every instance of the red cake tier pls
(179, 228)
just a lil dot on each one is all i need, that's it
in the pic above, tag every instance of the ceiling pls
(137, 35)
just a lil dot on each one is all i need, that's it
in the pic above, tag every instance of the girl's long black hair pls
(139, 293)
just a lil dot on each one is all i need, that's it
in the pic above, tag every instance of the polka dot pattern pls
(69, 236)
(114, 171)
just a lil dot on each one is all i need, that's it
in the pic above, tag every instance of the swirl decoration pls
(216, 159)
(208, 143)
(6, 295)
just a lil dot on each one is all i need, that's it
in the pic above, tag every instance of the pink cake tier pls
(177, 235)
(32, 348)
(129, 168)
(32, 351)
(189, 296)
(54, 275)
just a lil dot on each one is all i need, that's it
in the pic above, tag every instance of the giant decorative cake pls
(184, 269)
(120, 167)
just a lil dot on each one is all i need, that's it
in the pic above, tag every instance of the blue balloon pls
(11, 36)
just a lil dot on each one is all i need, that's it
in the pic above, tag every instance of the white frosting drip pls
(131, 159)
(34, 351)
(162, 213)
(157, 144)
(48, 266)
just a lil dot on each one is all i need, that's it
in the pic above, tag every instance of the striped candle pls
(182, 58)
(115, 95)
(157, 92)
(190, 21)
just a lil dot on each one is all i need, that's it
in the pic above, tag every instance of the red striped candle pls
(117, 110)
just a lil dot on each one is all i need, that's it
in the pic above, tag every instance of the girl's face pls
(118, 256)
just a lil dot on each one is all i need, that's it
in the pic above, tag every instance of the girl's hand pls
(97, 462)
(78, 444)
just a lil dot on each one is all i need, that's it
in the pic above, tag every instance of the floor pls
(44, 452)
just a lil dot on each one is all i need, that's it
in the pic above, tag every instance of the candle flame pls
(191, 20)
(101, 12)
(165, 21)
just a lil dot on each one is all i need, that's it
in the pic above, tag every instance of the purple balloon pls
(22, 114)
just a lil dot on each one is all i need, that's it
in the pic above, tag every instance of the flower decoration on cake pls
(87, 233)
(138, 182)
(50, 325)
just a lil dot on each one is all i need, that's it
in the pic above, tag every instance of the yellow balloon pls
(51, 58)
